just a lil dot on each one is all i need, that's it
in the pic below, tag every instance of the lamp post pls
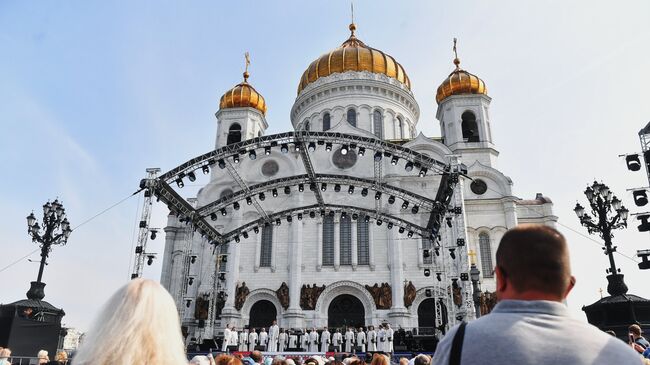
(474, 275)
(607, 215)
(55, 231)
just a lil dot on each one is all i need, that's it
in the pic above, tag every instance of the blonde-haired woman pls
(138, 325)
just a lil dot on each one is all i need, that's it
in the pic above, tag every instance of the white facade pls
(296, 255)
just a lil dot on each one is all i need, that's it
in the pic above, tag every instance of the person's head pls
(421, 359)
(275, 322)
(43, 357)
(256, 356)
(611, 333)
(290, 362)
(61, 356)
(139, 324)
(380, 359)
(403, 361)
(279, 360)
(635, 331)
(533, 264)
(200, 360)
(224, 359)
(5, 353)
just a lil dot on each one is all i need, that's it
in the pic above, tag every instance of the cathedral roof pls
(353, 55)
(243, 95)
(460, 82)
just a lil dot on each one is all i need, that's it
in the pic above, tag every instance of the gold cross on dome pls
(455, 52)
(600, 290)
(248, 60)
(472, 256)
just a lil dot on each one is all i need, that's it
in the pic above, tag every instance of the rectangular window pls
(328, 241)
(346, 240)
(363, 242)
(267, 246)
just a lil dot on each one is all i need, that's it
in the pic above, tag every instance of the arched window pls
(328, 241)
(469, 126)
(363, 242)
(234, 134)
(306, 125)
(399, 128)
(427, 251)
(267, 246)
(326, 122)
(378, 124)
(352, 117)
(486, 255)
(346, 240)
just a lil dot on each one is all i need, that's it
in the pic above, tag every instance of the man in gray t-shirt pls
(530, 324)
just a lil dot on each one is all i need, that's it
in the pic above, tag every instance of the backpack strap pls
(457, 345)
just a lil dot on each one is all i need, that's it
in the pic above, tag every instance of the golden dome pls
(353, 55)
(460, 82)
(243, 95)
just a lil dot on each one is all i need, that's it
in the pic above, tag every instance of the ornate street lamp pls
(55, 231)
(607, 215)
(475, 275)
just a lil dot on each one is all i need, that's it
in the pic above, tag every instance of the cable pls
(19, 260)
(105, 210)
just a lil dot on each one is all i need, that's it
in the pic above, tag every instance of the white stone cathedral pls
(336, 270)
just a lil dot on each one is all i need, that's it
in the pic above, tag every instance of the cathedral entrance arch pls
(262, 314)
(345, 311)
(427, 316)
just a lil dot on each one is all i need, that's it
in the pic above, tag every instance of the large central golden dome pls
(353, 55)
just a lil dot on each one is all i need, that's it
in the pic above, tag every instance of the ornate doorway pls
(427, 316)
(262, 314)
(345, 310)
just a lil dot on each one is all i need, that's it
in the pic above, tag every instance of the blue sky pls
(92, 93)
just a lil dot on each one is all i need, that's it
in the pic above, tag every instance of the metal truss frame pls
(302, 139)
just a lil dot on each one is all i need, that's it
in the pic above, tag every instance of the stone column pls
(294, 317)
(371, 247)
(511, 213)
(337, 244)
(399, 315)
(230, 314)
(353, 243)
(319, 245)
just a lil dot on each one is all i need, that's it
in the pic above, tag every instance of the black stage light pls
(180, 182)
(213, 216)
(328, 146)
(331, 213)
(344, 215)
(256, 229)
(389, 225)
(267, 150)
(312, 214)
(249, 200)
(299, 216)
(448, 219)
(296, 147)
(437, 251)
(452, 253)
(188, 303)
(287, 190)
(191, 176)
(322, 212)
(460, 242)
(640, 197)
(362, 151)
(323, 187)
(235, 158)
(364, 192)
(252, 155)
(378, 156)
(311, 147)
(633, 162)
(391, 199)
(366, 218)
(378, 195)
(205, 169)
(415, 209)
(261, 196)
(222, 164)
(351, 190)
(344, 149)
(223, 211)
(301, 188)
(235, 205)
(245, 234)
(379, 222)
(439, 276)
(289, 218)
(423, 172)
(275, 193)
(284, 148)
(426, 253)
(222, 276)
(355, 216)
(410, 234)
(409, 166)
(401, 229)
(394, 160)
(237, 239)
(337, 188)
(427, 293)
(405, 204)
(278, 221)
(427, 272)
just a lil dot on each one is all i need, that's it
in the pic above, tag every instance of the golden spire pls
(248, 62)
(456, 60)
(352, 26)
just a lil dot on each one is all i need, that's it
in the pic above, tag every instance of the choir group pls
(310, 340)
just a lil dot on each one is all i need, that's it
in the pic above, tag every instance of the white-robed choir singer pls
(324, 340)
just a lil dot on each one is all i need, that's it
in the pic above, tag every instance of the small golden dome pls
(353, 55)
(460, 82)
(243, 95)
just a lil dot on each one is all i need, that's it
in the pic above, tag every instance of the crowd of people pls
(310, 340)
(529, 325)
